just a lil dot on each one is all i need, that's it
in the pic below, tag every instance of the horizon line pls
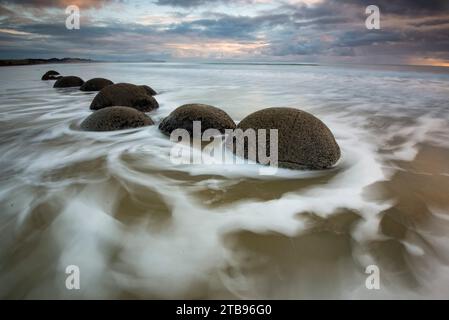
(230, 62)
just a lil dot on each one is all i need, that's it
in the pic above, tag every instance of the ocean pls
(138, 226)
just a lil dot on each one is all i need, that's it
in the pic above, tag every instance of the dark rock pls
(183, 117)
(95, 84)
(67, 82)
(304, 141)
(116, 118)
(149, 90)
(51, 75)
(124, 94)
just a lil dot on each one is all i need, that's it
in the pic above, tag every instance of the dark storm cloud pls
(435, 40)
(94, 42)
(324, 22)
(405, 28)
(184, 3)
(4, 11)
(404, 7)
(304, 11)
(57, 3)
(226, 26)
(354, 39)
(326, 29)
(195, 3)
(408, 7)
(432, 22)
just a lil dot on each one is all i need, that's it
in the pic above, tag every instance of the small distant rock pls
(51, 75)
(96, 84)
(125, 94)
(304, 141)
(183, 117)
(116, 118)
(67, 82)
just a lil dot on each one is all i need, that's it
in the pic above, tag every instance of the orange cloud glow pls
(429, 62)
(216, 48)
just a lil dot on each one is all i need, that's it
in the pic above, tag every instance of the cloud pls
(432, 22)
(184, 3)
(57, 3)
(404, 7)
(198, 3)
(216, 49)
(233, 27)
(287, 29)
(15, 32)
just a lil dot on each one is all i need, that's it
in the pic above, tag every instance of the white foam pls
(188, 254)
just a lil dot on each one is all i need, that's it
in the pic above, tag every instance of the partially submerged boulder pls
(304, 141)
(125, 94)
(69, 81)
(149, 90)
(116, 118)
(95, 84)
(183, 117)
(51, 75)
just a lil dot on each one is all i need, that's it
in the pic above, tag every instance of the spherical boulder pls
(304, 141)
(149, 90)
(183, 117)
(95, 84)
(51, 75)
(67, 82)
(124, 94)
(116, 118)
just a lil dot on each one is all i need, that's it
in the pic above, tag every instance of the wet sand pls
(140, 227)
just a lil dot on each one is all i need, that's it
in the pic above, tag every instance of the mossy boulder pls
(51, 75)
(116, 118)
(125, 94)
(183, 117)
(304, 141)
(96, 84)
(68, 82)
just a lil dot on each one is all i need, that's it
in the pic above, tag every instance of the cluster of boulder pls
(95, 84)
(304, 141)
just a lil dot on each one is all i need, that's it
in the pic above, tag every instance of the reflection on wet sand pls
(304, 265)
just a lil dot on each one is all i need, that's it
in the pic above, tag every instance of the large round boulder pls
(95, 84)
(124, 94)
(149, 90)
(304, 141)
(116, 118)
(183, 117)
(67, 82)
(51, 75)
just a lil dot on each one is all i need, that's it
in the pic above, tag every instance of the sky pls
(303, 31)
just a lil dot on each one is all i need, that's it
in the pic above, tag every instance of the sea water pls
(138, 225)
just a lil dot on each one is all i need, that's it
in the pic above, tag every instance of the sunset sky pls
(330, 31)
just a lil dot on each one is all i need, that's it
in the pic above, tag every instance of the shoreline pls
(32, 62)
(28, 62)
